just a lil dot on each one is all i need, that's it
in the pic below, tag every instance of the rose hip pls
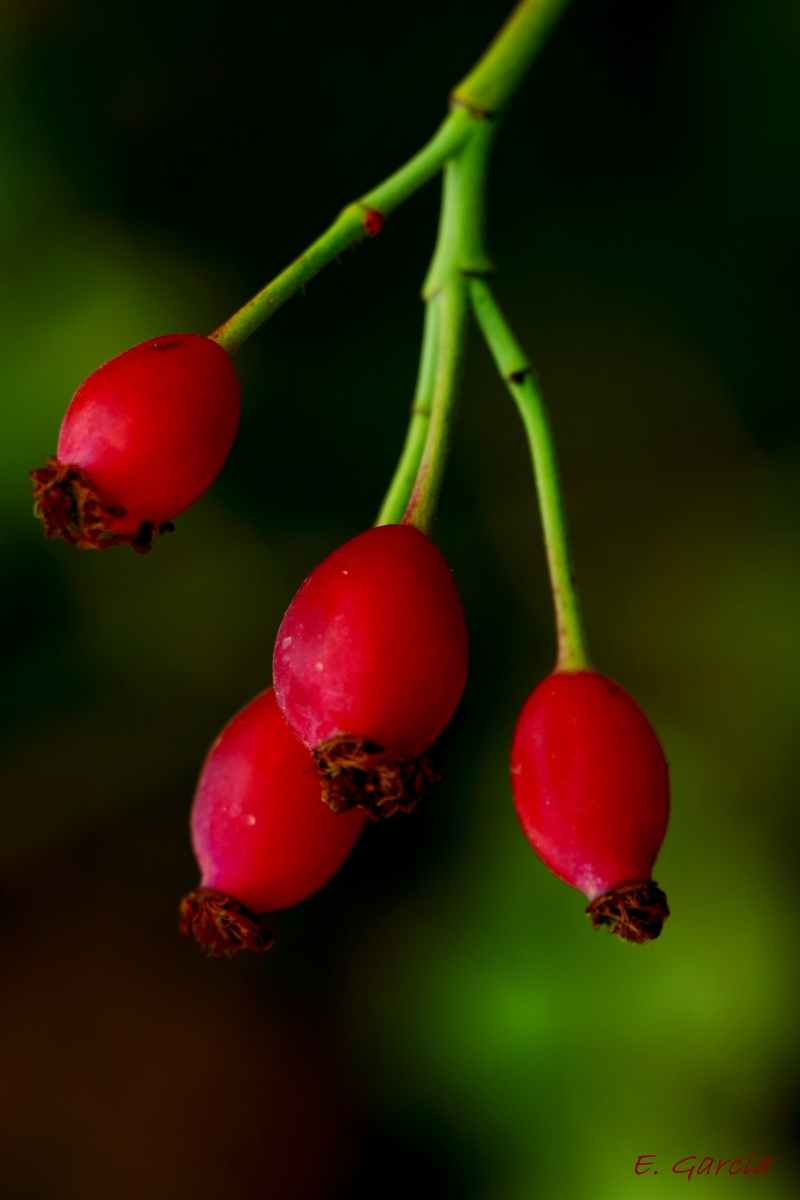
(144, 436)
(591, 790)
(370, 663)
(262, 836)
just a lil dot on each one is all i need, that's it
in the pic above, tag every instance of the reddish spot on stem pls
(373, 222)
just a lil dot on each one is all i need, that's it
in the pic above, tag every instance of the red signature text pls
(707, 1166)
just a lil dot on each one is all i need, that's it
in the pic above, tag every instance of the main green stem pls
(498, 73)
(518, 377)
(483, 92)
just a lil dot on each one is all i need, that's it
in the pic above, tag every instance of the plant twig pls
(397, 497)
(496, 76)
(346, 229)
(459, 255)
(453, 304)
(488, 87)
(518, 376)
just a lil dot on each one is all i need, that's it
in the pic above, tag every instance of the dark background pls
(440, 1015)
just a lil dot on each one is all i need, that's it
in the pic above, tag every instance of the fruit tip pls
(222, 924)
(635, 911)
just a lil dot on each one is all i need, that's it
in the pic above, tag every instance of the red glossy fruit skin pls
(261, 832)
(374, 644)
(590, 782)
(152, 427)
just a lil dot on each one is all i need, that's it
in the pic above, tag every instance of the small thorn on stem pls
(222, 924)
(635, 911)
(355, 773)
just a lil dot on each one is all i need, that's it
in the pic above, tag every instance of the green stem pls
(496, 76)
(453, 305)
(459, 255)
(517, 374)
(347, 229)
(483, 91)
(397, 497)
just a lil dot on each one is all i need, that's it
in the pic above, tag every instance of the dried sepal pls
(635, 911)
(68, 503)
(222, 924)
(355, 773)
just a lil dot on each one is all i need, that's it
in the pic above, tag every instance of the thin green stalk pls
(459, 254)
(488, 87)
(517, 374)
(453, 304)
(397, 497)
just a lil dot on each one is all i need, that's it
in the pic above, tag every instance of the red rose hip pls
(144, 436)
(262, 836)
(591, 790)
(370, 663)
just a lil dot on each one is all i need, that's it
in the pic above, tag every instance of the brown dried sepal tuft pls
(355, 773)
(68, 502)
(636, 911)
(222, 924)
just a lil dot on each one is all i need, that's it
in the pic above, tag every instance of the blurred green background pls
(441, 1016)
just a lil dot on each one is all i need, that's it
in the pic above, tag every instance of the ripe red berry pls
(262, 836)
(370, 663)
(591, 790)
(144, 436)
